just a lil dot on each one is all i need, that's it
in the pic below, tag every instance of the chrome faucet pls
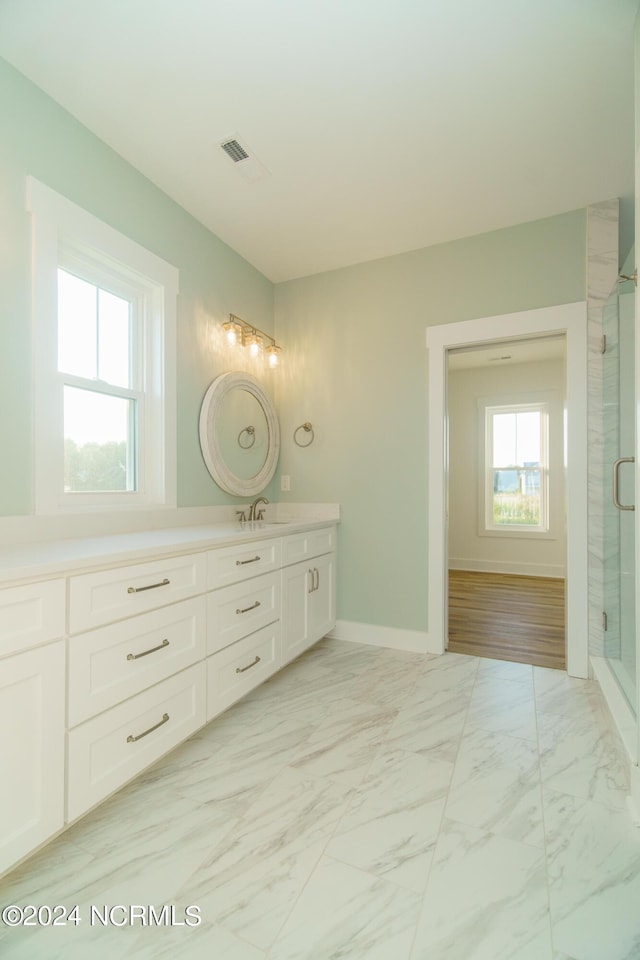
(254, 513)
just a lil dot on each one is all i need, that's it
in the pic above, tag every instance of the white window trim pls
(485, 487)
(60, 226)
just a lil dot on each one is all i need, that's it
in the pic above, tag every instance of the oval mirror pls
(239, 434)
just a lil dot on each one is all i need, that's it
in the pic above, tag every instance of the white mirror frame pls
(209, 440)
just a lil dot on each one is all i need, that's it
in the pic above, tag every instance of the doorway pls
(506, 495)
(568, 320)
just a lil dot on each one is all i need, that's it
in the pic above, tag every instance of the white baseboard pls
(413, 641)
(506, 566)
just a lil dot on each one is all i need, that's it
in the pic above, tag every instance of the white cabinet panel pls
(235, 611)
(308, 603)
(99, 598)
(31, 614)
(323, 596)
(297, 582)
(31, 750)
(232, 564)
(310, 543)
(232, 672)
(110, 664)
(110, 749)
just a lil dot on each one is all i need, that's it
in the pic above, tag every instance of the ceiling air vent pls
(234, 150)
(245, 161)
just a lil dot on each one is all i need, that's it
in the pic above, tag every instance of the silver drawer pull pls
(152, 586)
(145, 653)
(252, 607)
(249, 665)
(241, 563)
(311, 587)
(132, 739)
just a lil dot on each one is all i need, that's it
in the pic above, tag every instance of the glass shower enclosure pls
(619, 395)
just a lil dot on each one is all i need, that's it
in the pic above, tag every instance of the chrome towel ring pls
(307, 429)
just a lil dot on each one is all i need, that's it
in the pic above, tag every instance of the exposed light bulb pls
(232, 331)
(255, 345)
(273, 355)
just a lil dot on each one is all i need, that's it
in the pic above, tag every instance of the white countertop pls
(51, 558)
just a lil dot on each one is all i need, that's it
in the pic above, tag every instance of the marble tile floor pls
(364, 804)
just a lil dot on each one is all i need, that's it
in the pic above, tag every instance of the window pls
(104, 324)
(516, 484)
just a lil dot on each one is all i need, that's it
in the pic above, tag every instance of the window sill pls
(518, 533)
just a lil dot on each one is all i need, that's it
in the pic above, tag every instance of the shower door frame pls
(569, 320)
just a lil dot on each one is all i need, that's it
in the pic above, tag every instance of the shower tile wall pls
(602, 272)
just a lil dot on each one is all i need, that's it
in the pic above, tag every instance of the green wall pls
(39, 138)
(355, 359)
(356, 367)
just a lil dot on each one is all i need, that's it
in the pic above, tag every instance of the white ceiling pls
(385, 125)
(508, 352)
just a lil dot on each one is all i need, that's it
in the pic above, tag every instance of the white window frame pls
(487, 408)
(63, 233)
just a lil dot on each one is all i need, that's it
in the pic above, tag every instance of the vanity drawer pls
(110, 664)
(30, 615)
(239, 562)
(98, 598)
(243, 608)
(234, 671)
(312, 543)
(110, 749)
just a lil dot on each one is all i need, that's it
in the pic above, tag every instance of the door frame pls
(569, 320)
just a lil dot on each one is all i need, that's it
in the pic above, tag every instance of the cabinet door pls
(31, 750)
(322, 607)
(309, 604)
(297, 584)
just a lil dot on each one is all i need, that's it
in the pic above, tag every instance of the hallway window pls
(516, 468)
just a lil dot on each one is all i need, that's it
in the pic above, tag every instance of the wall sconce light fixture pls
(245, 334)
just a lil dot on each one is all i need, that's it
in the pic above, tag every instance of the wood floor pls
(507, 617)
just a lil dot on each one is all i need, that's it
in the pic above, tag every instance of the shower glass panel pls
(619, 523)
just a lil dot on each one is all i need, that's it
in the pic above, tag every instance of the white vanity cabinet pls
(32, 692)
(308, 590)
(107, 668)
